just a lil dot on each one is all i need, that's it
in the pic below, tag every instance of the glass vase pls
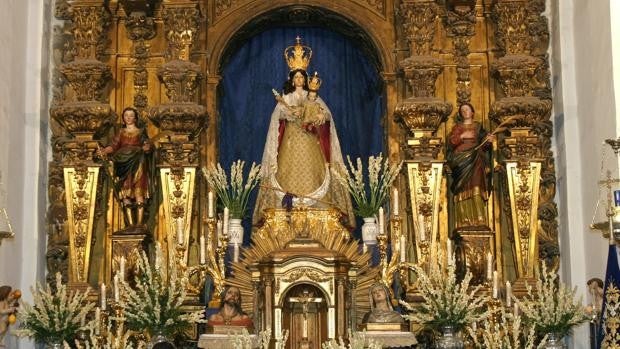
(449, 339)
(159, 340)
(555, 341)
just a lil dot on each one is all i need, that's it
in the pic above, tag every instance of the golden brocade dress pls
(297, 160)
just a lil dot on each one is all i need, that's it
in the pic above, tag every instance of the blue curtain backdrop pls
(352, 88)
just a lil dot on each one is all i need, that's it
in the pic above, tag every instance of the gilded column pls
(420, 115)
(182, 119)
(522, 73)
(81, 112)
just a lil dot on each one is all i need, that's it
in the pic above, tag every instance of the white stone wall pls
(584, 115)
(23, 145)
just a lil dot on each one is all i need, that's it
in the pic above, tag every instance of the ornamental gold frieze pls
(90, 20)
(515, 74)
(181, 28)
(79, 118)
(181, 79)
(80, 195)
(419, 19)
(523, 186)
(87, 78)
(460, 20)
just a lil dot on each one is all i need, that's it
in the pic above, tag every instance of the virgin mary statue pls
(301, 146)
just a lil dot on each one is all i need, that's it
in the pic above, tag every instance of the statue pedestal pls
(124, 243)
(223, 341)
(391, 339)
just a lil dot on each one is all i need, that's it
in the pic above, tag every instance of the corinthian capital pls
(181, 26)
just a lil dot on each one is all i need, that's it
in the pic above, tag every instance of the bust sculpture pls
(381, 310)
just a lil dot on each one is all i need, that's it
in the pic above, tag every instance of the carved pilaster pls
(140, 28)
(81, 192)
(421, 114)
(522, 73)
(460, 20)
(178, 193)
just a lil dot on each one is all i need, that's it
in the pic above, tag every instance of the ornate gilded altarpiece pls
(164, 57)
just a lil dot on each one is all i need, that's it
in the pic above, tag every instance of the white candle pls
(210, 204)
(489, 266)
(381, 221)
(180, 228)
(116, 289)
(495, 284)
(97, 319)
(218, 226)
(422, 227)
(122, 268)
(508, 294)
(449, 249)
(403, 248)
(515, 310)
(236, 253)
(364, 248)
(202, 250)
(395, 198)
(226, 218)
(102, 297)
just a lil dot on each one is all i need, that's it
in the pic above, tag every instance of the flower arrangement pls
(236, 194)
(116, 337)
(368, 198)
(552, 307)
(357, 340)
(244, 341)
(507, 334)
(55, 317)
(154, 304)
(446, 303)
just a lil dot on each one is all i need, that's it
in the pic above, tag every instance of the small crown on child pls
(314, 82)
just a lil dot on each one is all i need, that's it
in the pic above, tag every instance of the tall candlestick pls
(381, 221)
(508, 294)
(236, 253)
(210, 204)
(403, 248)
(116, 289)
(495, 284)
(422, 227)
(180, 227)
(226, 219)
(97, 320)
(102, 297)
(489, 266)
(122, 268)
(395, 198)
(218, 226)
(202, 250)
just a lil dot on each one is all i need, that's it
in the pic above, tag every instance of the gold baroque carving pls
(511, 18)
(419, 24)
(181, 26)
(90, 21)
(87, 79)
(305, 272)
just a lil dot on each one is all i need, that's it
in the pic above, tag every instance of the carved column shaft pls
(81, 112)
(183, 119)
(521, 73)
(421, 114)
